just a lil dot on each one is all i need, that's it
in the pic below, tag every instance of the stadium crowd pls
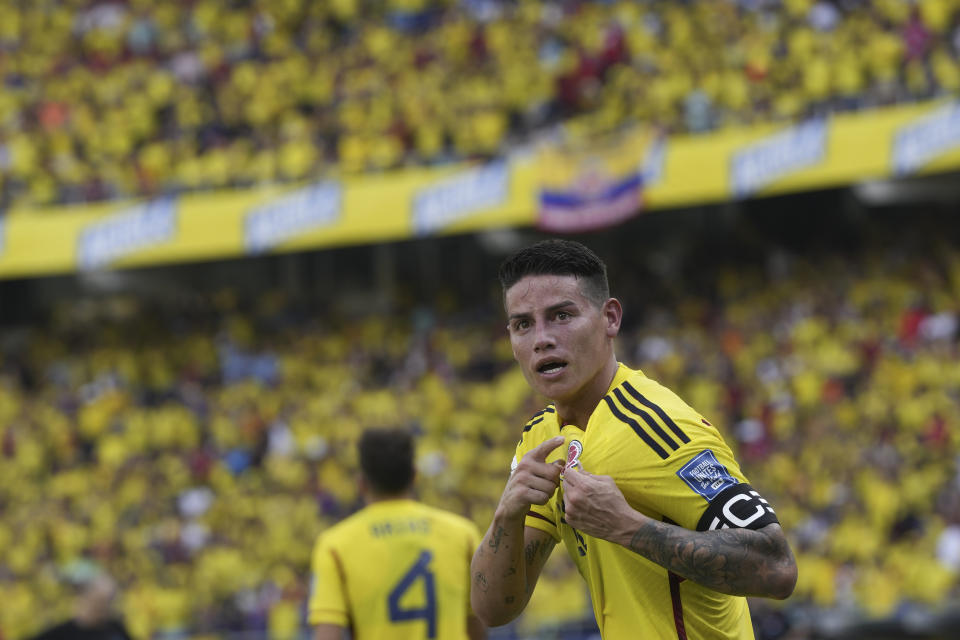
(194, 451)
(112, 99)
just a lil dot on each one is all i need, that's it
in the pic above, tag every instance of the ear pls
(613, 315)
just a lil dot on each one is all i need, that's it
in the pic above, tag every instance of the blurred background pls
(233, 233)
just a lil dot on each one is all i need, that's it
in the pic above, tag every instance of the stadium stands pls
(108, 100)
(195, 450)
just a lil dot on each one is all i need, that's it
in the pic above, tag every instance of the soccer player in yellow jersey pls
(397, 569)
(641, 490)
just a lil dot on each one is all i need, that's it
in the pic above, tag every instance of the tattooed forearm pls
(734, 561)
(495, 540)
(535, 550)
(481, 582)
(530, 551)
(504, 570)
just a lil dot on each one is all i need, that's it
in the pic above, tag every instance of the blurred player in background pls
(94, 617)
(645, 495)
(397, 569)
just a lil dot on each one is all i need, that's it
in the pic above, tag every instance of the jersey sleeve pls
(544, 519)
(704, 489)
(328, 602)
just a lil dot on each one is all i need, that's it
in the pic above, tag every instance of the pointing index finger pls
(542, 450)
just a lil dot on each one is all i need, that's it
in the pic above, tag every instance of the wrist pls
(510, 517)
(629, 524)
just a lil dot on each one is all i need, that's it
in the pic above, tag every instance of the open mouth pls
(551, 367)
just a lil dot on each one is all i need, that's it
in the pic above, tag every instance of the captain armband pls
(737, 507)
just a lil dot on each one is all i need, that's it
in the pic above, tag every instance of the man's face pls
(560, 339)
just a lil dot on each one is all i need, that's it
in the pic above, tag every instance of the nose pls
(544, 339)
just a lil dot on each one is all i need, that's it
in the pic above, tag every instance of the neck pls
(577, 410)
(91, 619)
(373, 497)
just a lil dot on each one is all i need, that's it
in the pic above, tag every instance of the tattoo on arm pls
(530, 551)
(481, 581)
(733, 561)
(495, 540)
(535, 549)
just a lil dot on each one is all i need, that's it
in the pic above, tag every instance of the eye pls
(521, 324)
(563, 315)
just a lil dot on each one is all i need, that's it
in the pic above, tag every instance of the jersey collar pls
(623, 372)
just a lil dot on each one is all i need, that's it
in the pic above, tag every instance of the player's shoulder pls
(640, 393)
(541, 426)
(634, 392)
(637, 385)
(450, 521)
(657, 415)
(345, 530)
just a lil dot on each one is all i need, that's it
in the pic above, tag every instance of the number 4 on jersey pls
(428, 612)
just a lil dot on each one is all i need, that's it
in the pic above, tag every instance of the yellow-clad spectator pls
(159, 90)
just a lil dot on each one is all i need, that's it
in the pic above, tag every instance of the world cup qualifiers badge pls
(573, 456)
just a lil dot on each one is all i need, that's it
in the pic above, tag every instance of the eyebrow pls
(553, 307)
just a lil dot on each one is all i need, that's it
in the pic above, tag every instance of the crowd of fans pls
(194, 451)
(119, 98)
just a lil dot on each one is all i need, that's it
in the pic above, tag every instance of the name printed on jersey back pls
(705, 475)
(385, 528)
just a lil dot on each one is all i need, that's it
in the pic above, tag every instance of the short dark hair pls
(557, 257)
(386, 460)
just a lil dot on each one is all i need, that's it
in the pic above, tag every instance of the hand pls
(533, 481)
(594, 505)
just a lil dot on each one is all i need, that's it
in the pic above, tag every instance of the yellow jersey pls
(671, 465)
(395, 570)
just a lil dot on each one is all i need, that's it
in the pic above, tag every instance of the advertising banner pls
(565, 185)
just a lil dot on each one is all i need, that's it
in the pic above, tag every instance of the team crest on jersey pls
(573, 455)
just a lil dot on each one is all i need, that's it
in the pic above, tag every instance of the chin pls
(555, 391)
(547, 390)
